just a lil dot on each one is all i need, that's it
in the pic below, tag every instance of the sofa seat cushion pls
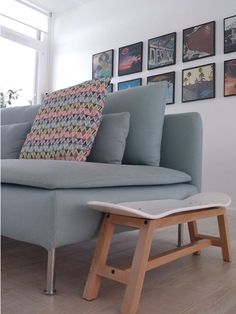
(59, 174)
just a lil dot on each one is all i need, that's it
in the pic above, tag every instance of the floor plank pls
(193, 285)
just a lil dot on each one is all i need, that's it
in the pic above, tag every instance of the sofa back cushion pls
(109, 144)
(146, 106)
(12, 139)
(66, 124)
(21, 114)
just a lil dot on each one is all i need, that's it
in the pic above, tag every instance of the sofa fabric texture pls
(12, 139)
(19, 114)
(182, 145)
(60, 174)
(110, 141)
(57, 215)
(146, 106)
(52, 218)
(67, 122)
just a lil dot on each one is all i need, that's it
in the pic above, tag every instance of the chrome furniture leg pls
(50, 288)
(180, 235)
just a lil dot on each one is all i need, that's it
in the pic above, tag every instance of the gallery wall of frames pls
(198, 42)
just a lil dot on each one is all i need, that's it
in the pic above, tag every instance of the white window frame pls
(41, 46)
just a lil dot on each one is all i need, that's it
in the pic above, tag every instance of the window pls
(21, 12)
(23, 53)
(18, 70)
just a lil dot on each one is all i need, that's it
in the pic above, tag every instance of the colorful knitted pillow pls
(66, 124)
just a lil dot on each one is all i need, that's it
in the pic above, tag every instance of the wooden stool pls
(133, 276)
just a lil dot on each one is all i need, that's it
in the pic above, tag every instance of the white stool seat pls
(155, 209)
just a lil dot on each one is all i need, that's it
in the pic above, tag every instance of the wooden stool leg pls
(138, 269)
(100, 256)
(224, 237)
(193, 231)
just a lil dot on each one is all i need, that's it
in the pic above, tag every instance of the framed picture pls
(230, 78)
(199, 42)
(161, 51)
(110, 88)
(102, 64)
(230, 34)
(198, 83)
(170, 79)
(129, 84)
(130, 59)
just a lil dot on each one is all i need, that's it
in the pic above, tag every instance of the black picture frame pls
(129, 84)
(229, 34)
(201, 40)
(102, 68)
(230, 69)
(169, 76)
(159, 54)
(130, 59)
(204, 89)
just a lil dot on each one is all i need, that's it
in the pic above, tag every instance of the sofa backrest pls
(181, 147)
(146, 106)
(21, 114)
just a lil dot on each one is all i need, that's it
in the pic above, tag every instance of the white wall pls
(105, 24)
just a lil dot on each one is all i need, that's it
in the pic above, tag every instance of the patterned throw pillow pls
(66, 124)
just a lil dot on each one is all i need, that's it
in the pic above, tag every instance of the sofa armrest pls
(181, 147)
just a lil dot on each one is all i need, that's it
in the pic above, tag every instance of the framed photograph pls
(199, 42)
(198, 83)
(230, 78)
(130, 59)
(129, 84)
(170, 79)
(161, 51)
(110, 88)
(230, 34)
(102, 64)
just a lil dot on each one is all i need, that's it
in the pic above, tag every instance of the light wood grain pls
(192, 285)
(114, 273)
(100, 257)
(193, 231)
(172, 255)
(224, 237)
(189, 216)
(138, 269)
(141, 262)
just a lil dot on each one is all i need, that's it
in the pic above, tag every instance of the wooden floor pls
(193, 285)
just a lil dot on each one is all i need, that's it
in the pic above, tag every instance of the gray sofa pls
(44, 201)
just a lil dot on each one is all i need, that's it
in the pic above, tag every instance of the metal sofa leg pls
(50, 288)
(180, 235)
